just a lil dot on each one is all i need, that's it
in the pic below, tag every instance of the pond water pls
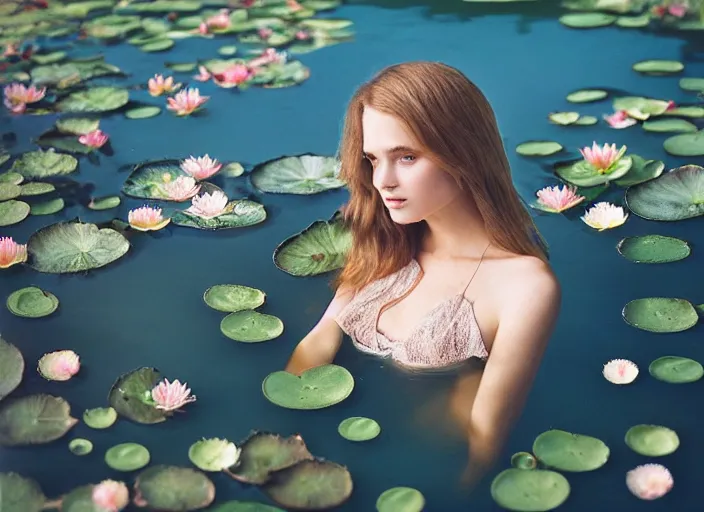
(147, 308)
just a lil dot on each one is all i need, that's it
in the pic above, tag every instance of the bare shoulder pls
(527, 278)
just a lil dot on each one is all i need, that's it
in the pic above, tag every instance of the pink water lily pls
(160, 85)
(203, 74)
(558, 199)
(201, 168)
(170, 396)
(180, 189)
(620, 371)
(147, 218)
(302, 35)
(233, 76)
(602, 159)
(208, 205)
(60, 365)
(294, 5)
(95, 139)
(265, 32)
(17, 96)
(110, 496)
(186, 102)
(11, 253)
(268, 56)
(604, 215)
(220, 21)
(620, 120)
(649, 481)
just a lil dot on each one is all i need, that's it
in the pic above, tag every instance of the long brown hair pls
(454, 123)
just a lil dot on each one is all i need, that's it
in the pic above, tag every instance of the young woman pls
(446, 264)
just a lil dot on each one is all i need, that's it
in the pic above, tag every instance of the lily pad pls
(32, 302)
(320, 248)
(49, 207)
(9, 191)
(563, 118)
(653, 249)
(400, 499)
(20, 494)
(213, 454)
(264, 453)
(144, 112)
(126, 396)
(538, 148)
(251, 326)
(172, 488)
(97, 99)
(231, 298)
(80, 447)
(586, 95)
(676, 370)
(100, 417)
(566, 451)
(42, 164)
(13, 178)
(685, 111)
(586, 121)
(316, 388)
(105, 203)
(11, 368)
(240, 213)
(583, 174)
(232, 170)
(157, 45)
(304, 174)
(13, 212)
(676, 195)
(127, 457)
(587, 20)
(523, 460)
(68, 247)
(692, 84)
(538, 490)
(147, 180)
(685, 144)
(34, 419)
(640, 107)
(652, 440)
(669, 125)
(77, 125)
(660, 314)
(36, 188)
(641, 170)
(310, 485)
(228, 50)
(658, 67)
(359, 428)
(244, 506)
(80, 500)
(633, 21)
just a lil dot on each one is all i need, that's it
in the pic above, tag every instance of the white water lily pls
(214, 454)
(620, 371)
(604, 215)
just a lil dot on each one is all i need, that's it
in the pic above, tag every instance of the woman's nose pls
(384, 177)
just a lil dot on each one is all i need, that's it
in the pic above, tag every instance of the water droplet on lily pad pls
(100, 417)
(80, 446)
(173, 488)
(538, 490)
(653, 249)
(660, 314)
(21, 494)
(523, 460)
(214, 454)
(231, 298)
(658, 67)
(127, 457)
(316, 388)
(652, 440)
(32, 302)
(676, 369)
(566, 451)
(303, 174)
(34, 419)
(586, 95)
(359, 428)
(538, 148)
(11, 368)
(672, 196)
(400, 499)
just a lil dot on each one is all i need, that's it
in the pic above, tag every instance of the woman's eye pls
(408, 158)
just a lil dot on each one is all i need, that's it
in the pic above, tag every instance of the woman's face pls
(412, 186)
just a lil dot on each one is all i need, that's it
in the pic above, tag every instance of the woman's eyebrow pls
(395, 149)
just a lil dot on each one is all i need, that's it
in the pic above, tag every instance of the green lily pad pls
(13, 212)
(359, 428)
(240, 213)
(34, 419)
(523, 460)
(36, 188)
(669, 125)
(676, 370)
(49, 207)
(587, 20)
(97, 99)
(100, 417)
(244, 506)
(653, 249)
(316, 388)
(228, 50)
(563, 118)
(68, 247)
(586, 95)
(232, 170)
(80, 447)
(685, 144)
(157, 45)
(77, 125)
(652, 440)
(42, 164)
(676, 195)
(165, 6)
(586, 121)
(685, 111)
(538, 148)
(658, 67)
(32, 302)
(320, 248)
(13, 178)
(660, 314)
(538, 490)
(105, 203)
(692, 84)
(11, 368)
(67, 143)
(566, 451)
(641, 170)
(231, 298)
(303, 174)
(640, 107)
(20, 494)
(310, 485)
(583, 174)
(127, 457)
(80, 500)
(633, 21)
(182, 67)
(213, 454)
(400, 499)
(251, 326)
(9, 191)
(172, 488)
(264, 453)
(126, 396)
(144, 112)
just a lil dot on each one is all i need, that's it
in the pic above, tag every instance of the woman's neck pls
(455, 232)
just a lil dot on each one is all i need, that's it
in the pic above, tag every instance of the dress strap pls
(476, 269)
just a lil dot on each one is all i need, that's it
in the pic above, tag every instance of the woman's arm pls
(321, 344)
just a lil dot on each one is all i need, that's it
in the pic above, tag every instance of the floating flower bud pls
(110, 496)
(95, 139)
(620, 371)
(649, 481)
(60, 365)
